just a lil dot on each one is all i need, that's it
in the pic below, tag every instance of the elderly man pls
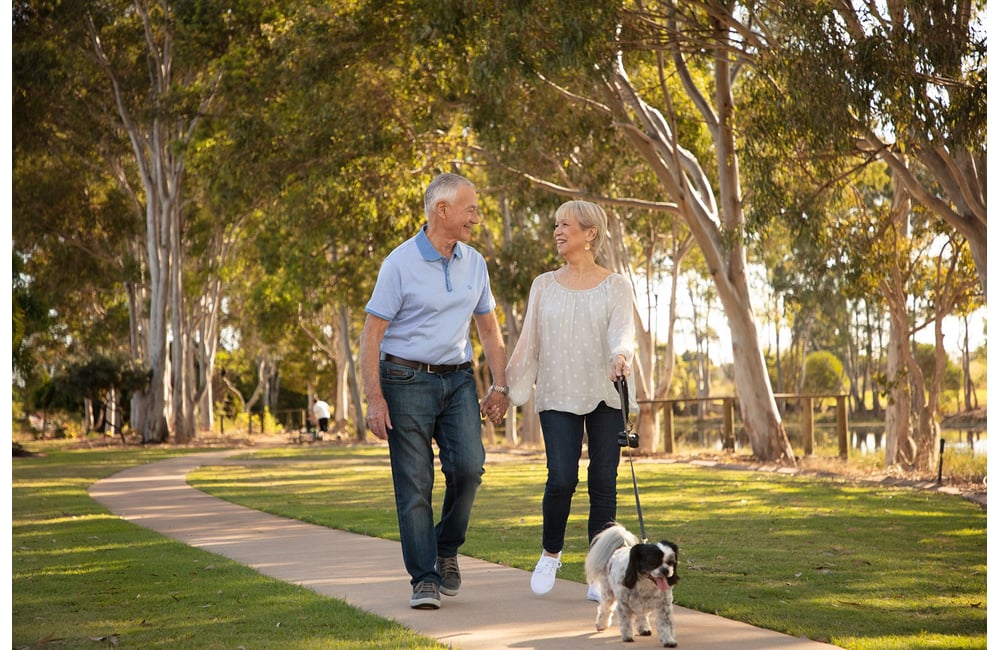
(416, 364)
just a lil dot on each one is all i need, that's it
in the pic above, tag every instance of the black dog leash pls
(629, 440)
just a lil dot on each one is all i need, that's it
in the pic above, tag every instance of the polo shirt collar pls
(427, 250)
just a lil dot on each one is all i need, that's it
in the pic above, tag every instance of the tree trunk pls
(758, 408)
(717, 231)
(182, 380)
(968, 387)
(88, 415)
(156, 140)
(681, 247)
(207, 326)
(898, 439)
(900, 448)
(154, 419)
(352, 382)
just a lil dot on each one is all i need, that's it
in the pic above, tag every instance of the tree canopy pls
(189, 176)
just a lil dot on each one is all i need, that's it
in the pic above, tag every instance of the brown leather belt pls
(426, 367)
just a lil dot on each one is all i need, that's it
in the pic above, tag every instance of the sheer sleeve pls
(621, 325)
(522, 368)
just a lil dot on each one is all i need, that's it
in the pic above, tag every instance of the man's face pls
(462, 215)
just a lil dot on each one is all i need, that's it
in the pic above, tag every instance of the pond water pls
(864, 438)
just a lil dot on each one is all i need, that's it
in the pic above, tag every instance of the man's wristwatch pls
(503, 390)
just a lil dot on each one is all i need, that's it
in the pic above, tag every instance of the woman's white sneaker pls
(544, 576)
(594, 593)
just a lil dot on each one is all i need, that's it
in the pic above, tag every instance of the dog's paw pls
(645, 633)
(670, 644)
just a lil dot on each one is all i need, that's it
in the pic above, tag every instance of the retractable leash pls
(629, 440)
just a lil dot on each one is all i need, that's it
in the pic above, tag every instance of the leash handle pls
(622, 385)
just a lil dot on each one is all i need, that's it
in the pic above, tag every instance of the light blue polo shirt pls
(429, 301)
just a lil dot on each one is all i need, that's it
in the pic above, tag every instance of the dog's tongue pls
(661, 583)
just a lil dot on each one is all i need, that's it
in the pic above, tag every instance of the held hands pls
(494, 406)
(619, 368)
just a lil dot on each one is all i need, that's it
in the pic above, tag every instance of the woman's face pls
(570, 236)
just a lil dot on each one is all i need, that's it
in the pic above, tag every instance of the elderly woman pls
(578, 338)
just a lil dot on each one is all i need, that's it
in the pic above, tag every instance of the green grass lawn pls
(83, 578)
(856, 565)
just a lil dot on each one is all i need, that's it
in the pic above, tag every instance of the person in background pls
(321, 411)
(416, 363)
(578, 338)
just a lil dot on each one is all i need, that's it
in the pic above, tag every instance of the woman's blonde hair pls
(588, 215)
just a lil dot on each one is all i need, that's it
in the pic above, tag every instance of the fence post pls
(729, 436)
(668, 427)
(941, 462)
(842, 425)
(808, 429)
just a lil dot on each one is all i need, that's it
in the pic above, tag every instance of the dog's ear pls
(674, 578)
(632, 571)
(634, 567)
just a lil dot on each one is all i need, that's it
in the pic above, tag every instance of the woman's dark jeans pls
(563, 434)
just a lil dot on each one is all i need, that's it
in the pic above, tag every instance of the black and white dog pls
(639, 578)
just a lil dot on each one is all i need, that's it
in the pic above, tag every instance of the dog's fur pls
(638, 577)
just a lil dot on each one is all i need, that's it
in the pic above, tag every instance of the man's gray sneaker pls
(425, 596)
(451, 578)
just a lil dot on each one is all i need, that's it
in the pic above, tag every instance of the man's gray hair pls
(444, 187)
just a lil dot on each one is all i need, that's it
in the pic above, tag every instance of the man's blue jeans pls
(563, 434)
(425, 406)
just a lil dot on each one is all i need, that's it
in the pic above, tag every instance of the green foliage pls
(824, 373)
(95, 378)
(48, 396)
(29, 321)
(329, 119)
(685, 379)
(251, 422)
(526, 254)
(927, 360)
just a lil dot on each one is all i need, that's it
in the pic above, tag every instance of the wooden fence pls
(729, 419)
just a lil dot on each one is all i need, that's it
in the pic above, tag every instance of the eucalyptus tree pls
(904, 270)
(901, 81)
(75, 242)
(135, 83)
(72, 234)
(908, 264)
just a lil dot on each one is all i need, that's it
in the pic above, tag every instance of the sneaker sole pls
(449, 592)
(542, 589)
(425, 603)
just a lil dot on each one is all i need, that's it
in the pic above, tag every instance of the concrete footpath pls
(495, 608)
